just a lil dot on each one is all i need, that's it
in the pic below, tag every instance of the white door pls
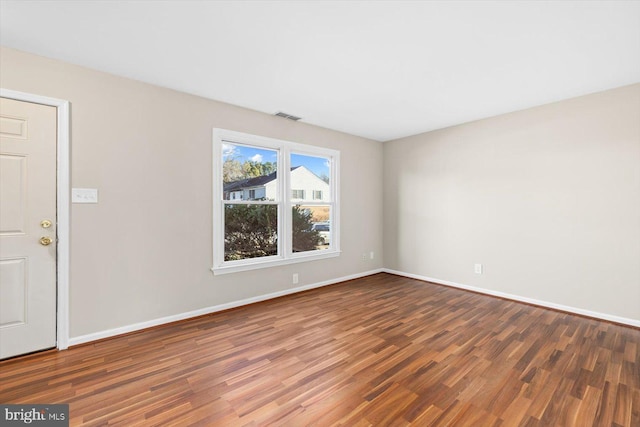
(27, 227)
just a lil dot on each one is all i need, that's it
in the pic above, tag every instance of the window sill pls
(273, 263)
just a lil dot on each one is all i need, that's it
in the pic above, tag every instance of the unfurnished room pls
(320, 213)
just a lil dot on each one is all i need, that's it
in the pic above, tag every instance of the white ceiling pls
(378, 69)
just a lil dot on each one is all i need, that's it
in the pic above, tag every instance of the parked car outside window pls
(324, 230)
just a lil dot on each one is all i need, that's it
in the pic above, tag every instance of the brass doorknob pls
(45, 223)
(46, 240)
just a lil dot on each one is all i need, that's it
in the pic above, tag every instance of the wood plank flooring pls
(383, 350)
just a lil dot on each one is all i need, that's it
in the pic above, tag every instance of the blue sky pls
(317, 165)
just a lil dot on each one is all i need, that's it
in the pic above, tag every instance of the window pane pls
(250, 231)
(311, 228)
(249, 173)
(309, 178)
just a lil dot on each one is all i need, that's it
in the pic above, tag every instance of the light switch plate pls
(84, 195)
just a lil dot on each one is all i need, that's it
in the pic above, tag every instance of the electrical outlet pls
(295, 278)
(371, 254)
(364, 256)
(477, 268)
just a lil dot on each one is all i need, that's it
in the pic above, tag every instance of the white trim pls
(221, 307)
(518, 298)
(63, 208)
(271, 262)
(213, 309)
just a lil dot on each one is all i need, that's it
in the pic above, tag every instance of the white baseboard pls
(569, 309)
(213, 309)
(208, 310)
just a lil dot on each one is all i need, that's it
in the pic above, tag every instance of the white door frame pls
(63, 207)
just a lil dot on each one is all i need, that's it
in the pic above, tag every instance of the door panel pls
(27, 197)
(13, 188)
(13, 295)
(13, 127)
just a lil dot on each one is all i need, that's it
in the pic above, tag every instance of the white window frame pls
(284, 202)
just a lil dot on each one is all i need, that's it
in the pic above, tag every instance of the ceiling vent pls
(287, 116)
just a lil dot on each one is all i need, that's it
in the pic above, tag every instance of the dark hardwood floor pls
(382, 350)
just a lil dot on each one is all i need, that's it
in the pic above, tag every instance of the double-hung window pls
(274, 202)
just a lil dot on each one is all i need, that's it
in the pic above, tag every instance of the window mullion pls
(286, 201)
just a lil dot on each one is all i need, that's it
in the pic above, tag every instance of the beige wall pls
(144, 251)
(547, 199)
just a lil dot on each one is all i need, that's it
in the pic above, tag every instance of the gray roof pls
(251, 182)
